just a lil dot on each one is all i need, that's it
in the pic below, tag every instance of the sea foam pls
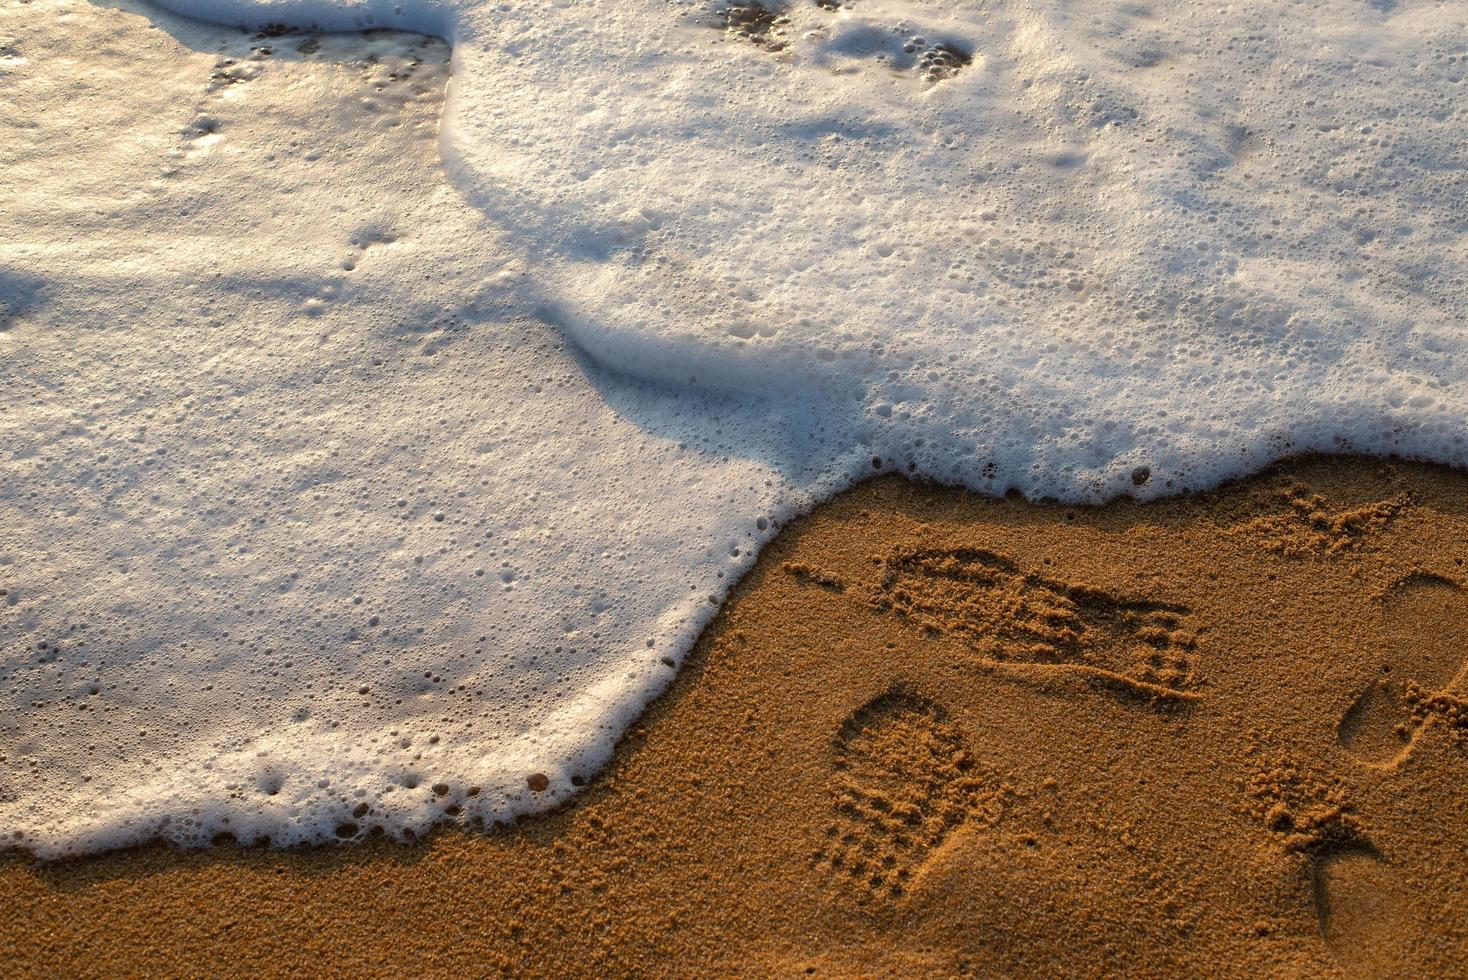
(454, 468)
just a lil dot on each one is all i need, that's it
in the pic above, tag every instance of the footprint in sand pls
(1016, 619)
(1363, 903)
(1427, 644)
(1364, 909)
(904, 782)
(1360, 908)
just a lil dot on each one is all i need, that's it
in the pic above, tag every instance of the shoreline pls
(935, 732)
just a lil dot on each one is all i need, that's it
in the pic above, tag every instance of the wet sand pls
(934, 733)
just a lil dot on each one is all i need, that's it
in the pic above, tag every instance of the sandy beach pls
(479, 488)
(934, 733)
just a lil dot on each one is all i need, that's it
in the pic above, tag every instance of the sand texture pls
(935, 733)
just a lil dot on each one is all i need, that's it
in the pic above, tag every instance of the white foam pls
(1092, 242)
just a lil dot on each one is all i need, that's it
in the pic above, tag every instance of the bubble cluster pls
(756, 23)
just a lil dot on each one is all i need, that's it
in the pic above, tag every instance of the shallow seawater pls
(389, 410)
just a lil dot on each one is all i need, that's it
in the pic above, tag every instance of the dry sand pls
(934, 733)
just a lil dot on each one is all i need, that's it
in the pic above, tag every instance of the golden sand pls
(934, 733)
